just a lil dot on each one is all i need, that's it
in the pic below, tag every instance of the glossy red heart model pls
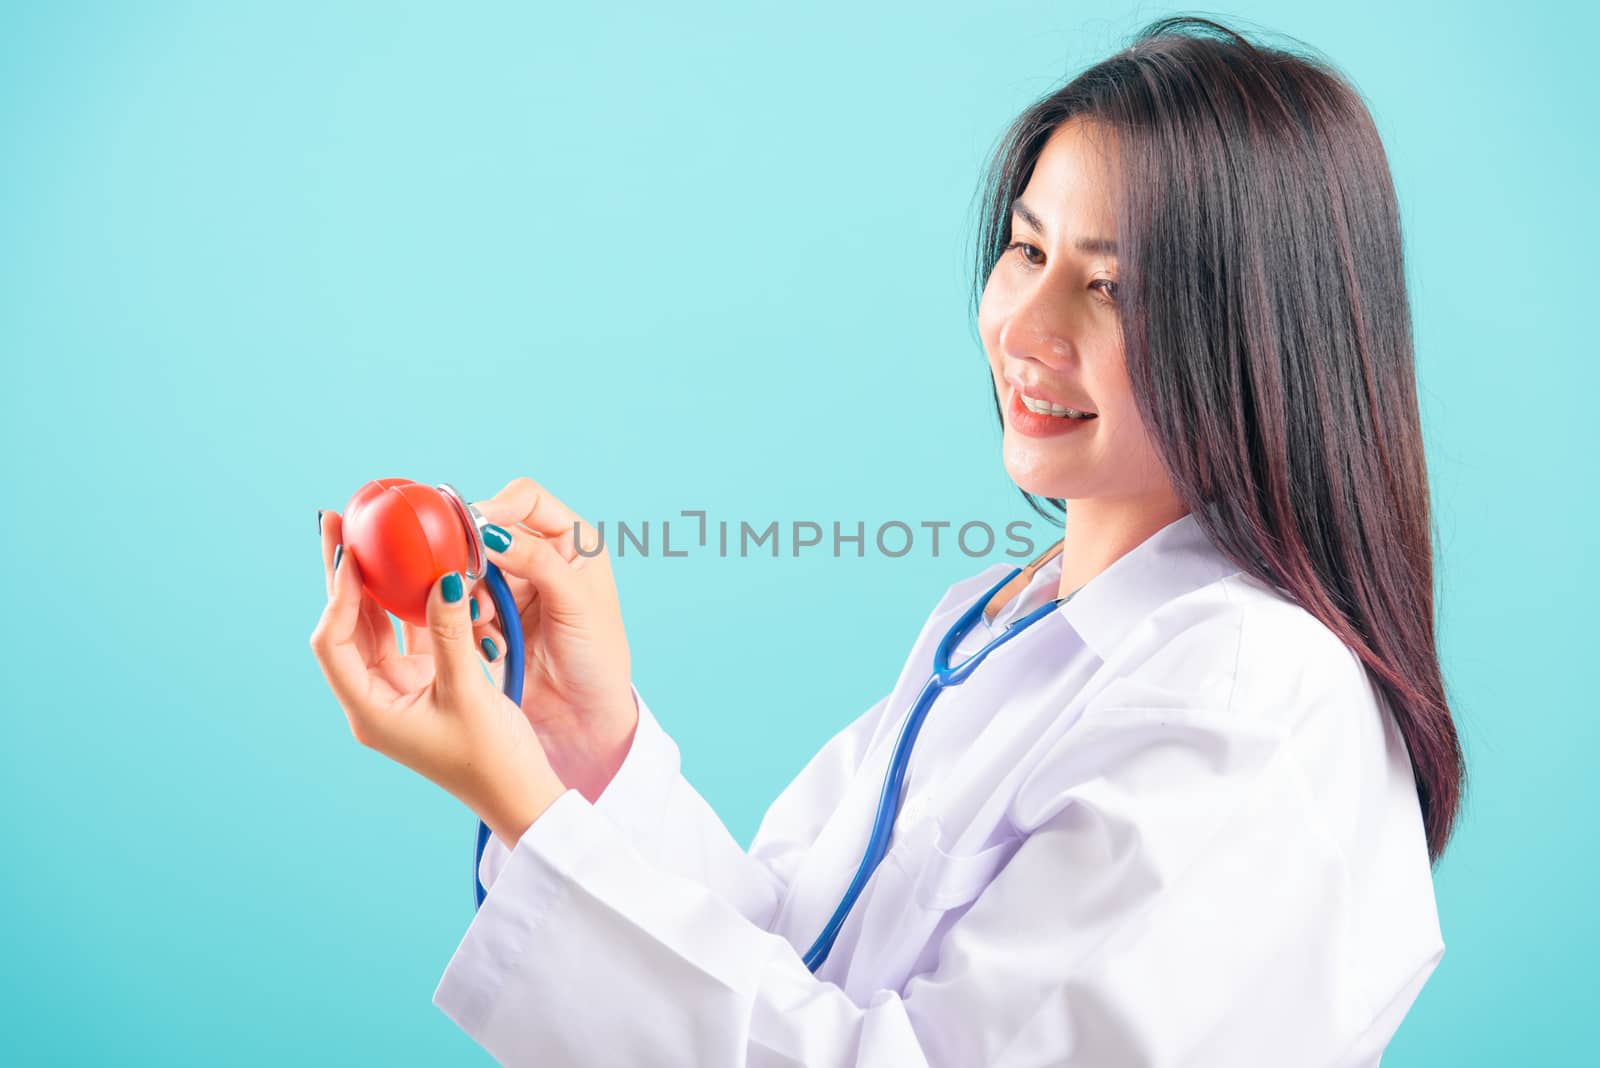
(405, 536)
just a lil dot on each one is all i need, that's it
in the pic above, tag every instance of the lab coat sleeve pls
(1172, 901)
(669, 824)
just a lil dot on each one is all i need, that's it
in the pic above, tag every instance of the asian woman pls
(1185, 815)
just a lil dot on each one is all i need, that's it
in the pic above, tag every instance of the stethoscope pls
(406, 534)
(943, 677)
(511, 626)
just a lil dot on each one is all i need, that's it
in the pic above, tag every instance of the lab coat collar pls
(1175, 560)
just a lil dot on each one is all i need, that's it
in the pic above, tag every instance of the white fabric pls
(1172, 823)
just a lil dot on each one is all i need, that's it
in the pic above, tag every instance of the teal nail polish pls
(338, 554)
(451, 586)
(489, 649)
(474, 604)
(496, 538)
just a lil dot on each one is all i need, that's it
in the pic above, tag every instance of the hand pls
(434, 712)
(577, 685)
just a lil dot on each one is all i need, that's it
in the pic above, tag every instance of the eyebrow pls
(1095, 245)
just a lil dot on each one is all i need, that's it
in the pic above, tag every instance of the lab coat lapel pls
(1038, 671)
(1175, 560)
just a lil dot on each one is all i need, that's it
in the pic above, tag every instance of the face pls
(1049, 324)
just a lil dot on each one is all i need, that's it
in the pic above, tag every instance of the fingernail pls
(451, 586)
(474, 605)
(319, 520)
(338, 554)
(489, 649)
(496, 537)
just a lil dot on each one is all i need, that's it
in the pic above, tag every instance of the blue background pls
(704, 256)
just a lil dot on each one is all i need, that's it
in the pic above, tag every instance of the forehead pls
(1075, 178)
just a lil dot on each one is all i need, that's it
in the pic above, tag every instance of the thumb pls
(455, 663)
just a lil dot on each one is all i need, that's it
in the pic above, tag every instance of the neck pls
(1100, 530)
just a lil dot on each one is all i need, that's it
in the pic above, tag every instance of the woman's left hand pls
(437, 712)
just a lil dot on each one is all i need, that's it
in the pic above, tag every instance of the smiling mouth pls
(1059, 411)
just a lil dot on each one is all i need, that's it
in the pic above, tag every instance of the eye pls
(1024, 246)
(1110, 289)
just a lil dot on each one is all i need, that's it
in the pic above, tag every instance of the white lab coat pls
(1172, 823)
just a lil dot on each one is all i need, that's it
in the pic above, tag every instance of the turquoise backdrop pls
(659, 257)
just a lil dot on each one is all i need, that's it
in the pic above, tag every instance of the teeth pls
(1039, 407)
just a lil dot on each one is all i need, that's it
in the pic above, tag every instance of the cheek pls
(1129, 449)
(988, 336)
(991, 313)
(1106, 375)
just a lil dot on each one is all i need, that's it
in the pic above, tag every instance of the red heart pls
(404, 536)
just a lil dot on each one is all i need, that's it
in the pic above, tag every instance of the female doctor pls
(1186, 817)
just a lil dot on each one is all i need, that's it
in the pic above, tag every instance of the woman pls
(1186, 818)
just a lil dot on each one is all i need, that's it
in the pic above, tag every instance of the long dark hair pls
(1267, 335)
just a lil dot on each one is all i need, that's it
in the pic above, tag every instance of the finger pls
(376, 618)
(332, 535)
(524, 595)
(536, 560)
(455, 660)
(480, 609)
(486, 632)
(491, 646)
(526, 502)
(480, 604)
(494, 631)
(373, 615)
(334, 643)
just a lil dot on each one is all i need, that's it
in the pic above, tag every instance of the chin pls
(1038, 481)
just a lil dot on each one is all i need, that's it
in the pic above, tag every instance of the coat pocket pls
(948, 880)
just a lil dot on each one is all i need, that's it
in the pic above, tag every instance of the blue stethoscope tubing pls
(505, 607)
(944, 676)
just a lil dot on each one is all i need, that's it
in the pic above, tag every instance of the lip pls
(1034, 425)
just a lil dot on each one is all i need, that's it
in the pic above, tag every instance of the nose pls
(1038, 327)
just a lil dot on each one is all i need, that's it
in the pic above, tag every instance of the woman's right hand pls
(577, 685)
